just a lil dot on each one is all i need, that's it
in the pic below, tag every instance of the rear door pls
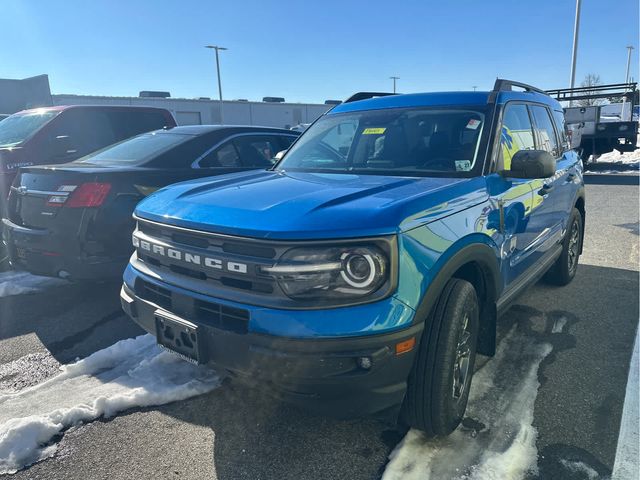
(568, 169)
(550, 190)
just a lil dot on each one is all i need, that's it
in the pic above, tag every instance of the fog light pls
(365, 362)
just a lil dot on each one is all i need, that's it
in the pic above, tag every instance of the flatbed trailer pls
(600, 135)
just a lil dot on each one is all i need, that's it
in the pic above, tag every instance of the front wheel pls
(439, 382)
(565, 267)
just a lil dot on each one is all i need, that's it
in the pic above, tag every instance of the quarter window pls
(545, 133)
(516, 134)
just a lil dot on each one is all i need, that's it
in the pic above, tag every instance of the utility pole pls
(626, 80)
(394, 82)
(574, 55)
(217, 48)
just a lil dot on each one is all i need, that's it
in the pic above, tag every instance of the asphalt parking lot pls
(237, 433)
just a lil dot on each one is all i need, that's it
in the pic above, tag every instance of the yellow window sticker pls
(373, 131)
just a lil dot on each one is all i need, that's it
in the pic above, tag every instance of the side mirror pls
(279, 155)
(531, 164)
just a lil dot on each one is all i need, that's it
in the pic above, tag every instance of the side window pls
(256, 150)
(285, 141)
(562, 129)
(545, 133)
(78, 132)
(516, 134)
(226, 157)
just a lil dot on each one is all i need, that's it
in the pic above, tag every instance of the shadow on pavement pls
(579, 403)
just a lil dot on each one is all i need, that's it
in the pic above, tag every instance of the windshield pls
(136, 150)
(17, 128)
(396, 141)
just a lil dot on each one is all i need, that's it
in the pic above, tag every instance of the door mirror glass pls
(531, 164)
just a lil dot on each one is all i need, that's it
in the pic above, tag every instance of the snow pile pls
(580, 468)
(130, 373)
(627, 160)
(18, 283)
(497, 439)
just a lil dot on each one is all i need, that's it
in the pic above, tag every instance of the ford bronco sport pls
(365, 270)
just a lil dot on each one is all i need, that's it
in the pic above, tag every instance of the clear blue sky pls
(310, 50)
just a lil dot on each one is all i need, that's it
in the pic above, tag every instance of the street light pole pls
(626, 80)
(394, 82)
(217, 49)
(574, 55)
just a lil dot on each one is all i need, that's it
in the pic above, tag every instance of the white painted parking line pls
(627, 462)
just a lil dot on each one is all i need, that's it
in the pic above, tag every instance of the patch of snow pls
(627, 159)
(580, 467)
(130, 373)
(500, 441)
(18, 283)
(558, 325)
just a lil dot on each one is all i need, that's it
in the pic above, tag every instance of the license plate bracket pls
(179, 336)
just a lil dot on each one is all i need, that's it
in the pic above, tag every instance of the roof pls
(203, 129)
(441, 99)
(59, 108)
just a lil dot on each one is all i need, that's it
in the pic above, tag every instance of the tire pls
(564, 269)
(434, 402)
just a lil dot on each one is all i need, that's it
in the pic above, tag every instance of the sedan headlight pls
(334, 273)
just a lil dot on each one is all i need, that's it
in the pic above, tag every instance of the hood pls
(296, 205)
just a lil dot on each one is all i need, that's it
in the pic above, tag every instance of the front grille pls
(209, 313)
(253, 254)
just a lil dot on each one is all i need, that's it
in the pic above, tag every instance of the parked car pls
(366, 269)
(61, 134)
(74, 220)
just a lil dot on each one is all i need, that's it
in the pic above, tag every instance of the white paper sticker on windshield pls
(473, 124)
(463, 165)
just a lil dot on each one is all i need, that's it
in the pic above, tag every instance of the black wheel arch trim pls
(485, 257)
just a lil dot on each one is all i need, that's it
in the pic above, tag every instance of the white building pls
(204, 111)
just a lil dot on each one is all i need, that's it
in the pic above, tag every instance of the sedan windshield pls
(413, 142)
(17, 128)
(136, 150)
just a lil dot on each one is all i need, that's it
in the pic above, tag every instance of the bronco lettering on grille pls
(192, 258)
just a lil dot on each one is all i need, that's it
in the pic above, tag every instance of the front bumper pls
(43, 252)
(325, 375)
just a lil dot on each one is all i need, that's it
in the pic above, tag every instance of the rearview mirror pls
(279, 155)
(531, 164)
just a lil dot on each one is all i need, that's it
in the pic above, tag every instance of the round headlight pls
(360, 270)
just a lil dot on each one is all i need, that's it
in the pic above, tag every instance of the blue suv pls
(364, 271)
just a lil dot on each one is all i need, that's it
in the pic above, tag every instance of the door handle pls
(544, 191)
(571, 177)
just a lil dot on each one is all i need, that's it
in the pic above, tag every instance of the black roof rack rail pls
(627, 90)
(365, 95)
(502, 85)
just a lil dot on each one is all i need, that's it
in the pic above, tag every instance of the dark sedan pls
(74, 220)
